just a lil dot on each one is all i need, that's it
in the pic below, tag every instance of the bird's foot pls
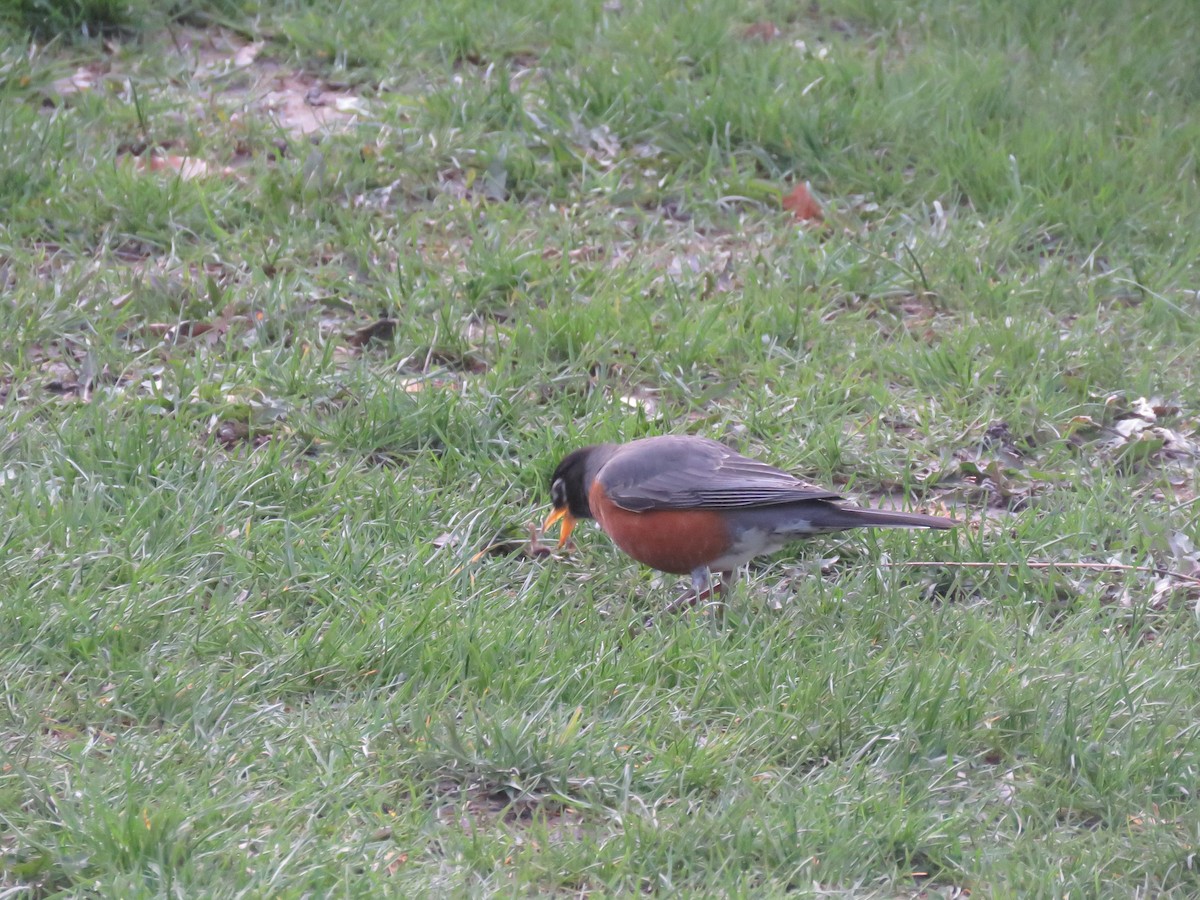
(703, 590)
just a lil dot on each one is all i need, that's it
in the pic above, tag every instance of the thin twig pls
(1097, 566)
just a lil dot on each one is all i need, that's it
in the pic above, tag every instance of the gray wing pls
(696, 473)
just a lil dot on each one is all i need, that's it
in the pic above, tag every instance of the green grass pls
(248, 647)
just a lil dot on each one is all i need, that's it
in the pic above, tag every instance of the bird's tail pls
(797, 520)
(858, 517)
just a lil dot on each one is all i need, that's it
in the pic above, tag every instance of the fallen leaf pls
(642, 401)
(828, 564)
(761, 31)
(230, 433)
(802, 205)
(379, 330)
(1144, 409)
(302, 107)
(247, 54)
(186, 167)
(1131, 427)
(1162, 408)
(82, 79)
(1175, 444)
(185, 329)
(1082, 424)
(351, 105)
(62, 387)
(1184, 551)
(420, 383)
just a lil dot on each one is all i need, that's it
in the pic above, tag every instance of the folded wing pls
(695, 473)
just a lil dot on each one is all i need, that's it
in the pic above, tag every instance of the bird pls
(689, 505)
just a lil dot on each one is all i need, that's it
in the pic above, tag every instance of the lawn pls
(301, 303)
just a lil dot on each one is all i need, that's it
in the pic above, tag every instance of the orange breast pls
(671, 540)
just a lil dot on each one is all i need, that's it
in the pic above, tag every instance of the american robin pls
(691, 506)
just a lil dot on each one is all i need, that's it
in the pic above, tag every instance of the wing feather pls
(676, 472)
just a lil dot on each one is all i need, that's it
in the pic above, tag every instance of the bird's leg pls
(722, 590)
(702, 589)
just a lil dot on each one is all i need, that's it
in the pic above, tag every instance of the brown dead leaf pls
(801, 204)
(214, 52)
(186, 167)
(419, 384)
(455, 360)
(82, 79)
(761, 31)
(78, 380)
(1138, 435)
(379, 330)
(61, 387)
(394, 861)
(246, 55)
(1163, 409)
(185, 329)
(230, 433)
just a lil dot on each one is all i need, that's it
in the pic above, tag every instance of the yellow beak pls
(568, 523)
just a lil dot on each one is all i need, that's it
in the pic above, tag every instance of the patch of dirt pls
(226, 80)
(475, 808)
(231, 68)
